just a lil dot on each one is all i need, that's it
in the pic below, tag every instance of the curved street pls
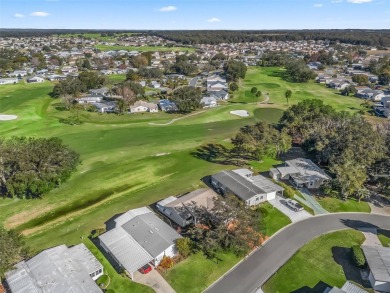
(253, 272)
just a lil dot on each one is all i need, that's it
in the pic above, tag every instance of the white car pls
(293, 204)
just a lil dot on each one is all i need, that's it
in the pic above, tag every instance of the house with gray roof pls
(378, 260)
(301, 173)
(252, 189)
(138, 238)
(57, 269)
(348, 287)
(180, 209)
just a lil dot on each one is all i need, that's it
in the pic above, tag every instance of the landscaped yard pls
(269, 80)
(196, 273)
(144, 48)
(384, 237)
(317, 264)
(274, 220)
(115, 78)
(336, 205)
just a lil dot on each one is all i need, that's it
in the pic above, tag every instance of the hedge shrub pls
(358, 256)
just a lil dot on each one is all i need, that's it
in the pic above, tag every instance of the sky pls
(195, 14)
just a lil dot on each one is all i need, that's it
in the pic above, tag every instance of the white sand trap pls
(7, 117)
(161, 154)
(241, 113)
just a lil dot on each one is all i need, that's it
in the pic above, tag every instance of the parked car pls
(145, 269)
(294, 205)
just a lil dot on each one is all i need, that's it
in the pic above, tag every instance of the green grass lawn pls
(145, 48)
(274, 220)
(196, 273)
(118, 283)
(384, 237)
(314, 263)
(269, 80)
(336, 205)
(264, 165)
(116, 78)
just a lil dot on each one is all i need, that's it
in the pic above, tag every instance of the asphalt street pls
(253, 272)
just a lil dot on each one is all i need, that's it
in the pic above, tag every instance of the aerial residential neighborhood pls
(193, 147)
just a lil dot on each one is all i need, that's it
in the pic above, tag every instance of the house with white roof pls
(139, 238)
(301, 172)
(57, 269)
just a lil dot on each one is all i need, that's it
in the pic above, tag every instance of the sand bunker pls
(7, 117)
(241, 113)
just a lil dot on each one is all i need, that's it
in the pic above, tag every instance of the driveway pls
(312, 202)
(154, 280)
(253, 272)
(294, 216)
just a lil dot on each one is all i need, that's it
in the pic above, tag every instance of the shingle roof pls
(153, 234)
(202, 197)
(125, 249)
(237, 184)
(378, 259)
(139, 237)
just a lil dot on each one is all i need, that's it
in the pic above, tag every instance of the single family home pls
(180, 209)
(35, 79)
(138, 238)
(252, 189)
(301, 173)
(378, 260)
(57, 269)
(142, 106)
(8, 80)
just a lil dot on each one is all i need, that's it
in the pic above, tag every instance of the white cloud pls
(40, 13)
(359, 1)
(168, 8)
(336, 1)
(214, 19)
(18, 15)
(318, 5)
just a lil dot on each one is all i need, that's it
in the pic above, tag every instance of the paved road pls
(193, 81)
(263, 263)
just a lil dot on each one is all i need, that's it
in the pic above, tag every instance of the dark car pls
(145, 269)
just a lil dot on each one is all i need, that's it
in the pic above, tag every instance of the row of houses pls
(141, 237)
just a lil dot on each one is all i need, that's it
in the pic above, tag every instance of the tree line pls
(357, 37)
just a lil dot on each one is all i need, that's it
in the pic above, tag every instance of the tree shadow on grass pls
(343, 257)
(60, 107)
(320, 287)
(216, 153)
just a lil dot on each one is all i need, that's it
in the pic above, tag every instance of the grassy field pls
(314, 265)
(144, 48)
(336, 205)
(269, 80)
(115, 78)
(196, 273)
(274, 220)
(122, 166)
(384, 237)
